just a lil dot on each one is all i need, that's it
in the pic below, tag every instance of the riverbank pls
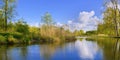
(16, 38)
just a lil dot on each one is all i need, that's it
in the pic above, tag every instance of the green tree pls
(114, 17)
(11, 27)
(78, 33)
(8, 11)
(94, 32)
(111, 19)
(22, 27)
(1, 21)
(35, 33)
(47, 19)
(108, 26)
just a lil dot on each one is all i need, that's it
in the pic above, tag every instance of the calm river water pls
(81, 49)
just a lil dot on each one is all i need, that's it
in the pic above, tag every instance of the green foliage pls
(22, 27)
(111, 19)
(47, 19)
(17, 32)
(11, 27)
(106, 29)
(1, 21)
(91, 32)
(21, 32)
(17, 35)
(25, 39)
(9, 7)
(79, 33)
(3, 39)
(34, 33)
(55, 34)
(109, 26)
(11, 39)
(8, 10)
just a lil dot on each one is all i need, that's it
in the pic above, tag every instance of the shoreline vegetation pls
(21, 33)
(15, 31)
(25, 34)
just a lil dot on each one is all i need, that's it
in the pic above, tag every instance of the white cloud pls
(58, 24)
(86, 21)
(36, 24)
(69, 22)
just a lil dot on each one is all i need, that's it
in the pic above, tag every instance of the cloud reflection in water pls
(86, 49)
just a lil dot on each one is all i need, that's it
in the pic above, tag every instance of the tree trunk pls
(115, 18)
(6, 11)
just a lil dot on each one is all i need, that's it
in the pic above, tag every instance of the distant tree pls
(47, 27)
(79, 33)
(47, 19)
(91, 32)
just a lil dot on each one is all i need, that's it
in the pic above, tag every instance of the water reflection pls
(117, 50)
(47, 50)
(87, 49)
(81, 49)
(110, 47)
(3, 53)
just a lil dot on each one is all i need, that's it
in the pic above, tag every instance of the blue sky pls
(62, 11)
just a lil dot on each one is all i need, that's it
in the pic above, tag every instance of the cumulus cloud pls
(86, 21)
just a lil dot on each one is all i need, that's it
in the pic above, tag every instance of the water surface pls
(81, 49)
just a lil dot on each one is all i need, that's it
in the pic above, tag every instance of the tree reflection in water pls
(117, 50)
(81, 49)
(109, 46)
(3, 53)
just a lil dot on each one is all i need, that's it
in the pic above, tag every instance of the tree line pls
(20, 32)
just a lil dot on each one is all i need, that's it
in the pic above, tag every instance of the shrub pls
(17, 35)
(11, 39)
(25, 40)
(3, 39)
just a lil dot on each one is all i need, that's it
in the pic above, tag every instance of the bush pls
(11, 39)
(17, 35)
(25, 40)
(3, 39)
